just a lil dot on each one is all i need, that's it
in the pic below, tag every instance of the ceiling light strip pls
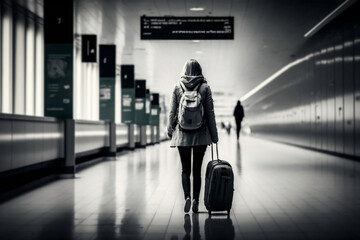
(273, 77)
(330, 17)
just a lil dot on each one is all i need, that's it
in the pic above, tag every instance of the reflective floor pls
(281, 192)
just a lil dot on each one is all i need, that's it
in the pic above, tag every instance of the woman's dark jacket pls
(207, 134)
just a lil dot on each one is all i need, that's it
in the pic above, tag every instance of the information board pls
(58, 59)
(187, 28)
(147, 106)
(107, 82)
(127, 94)
(155, 110)
(140, 102)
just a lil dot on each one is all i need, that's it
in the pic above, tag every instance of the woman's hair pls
(191, 68)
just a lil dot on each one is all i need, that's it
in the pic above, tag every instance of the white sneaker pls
(187, 205)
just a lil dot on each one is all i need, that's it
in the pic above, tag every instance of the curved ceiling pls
(267, 33)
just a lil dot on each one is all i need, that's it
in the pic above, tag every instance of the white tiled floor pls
(281, 192)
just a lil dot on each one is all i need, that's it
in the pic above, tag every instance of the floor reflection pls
(196, 227)
(219, 228)
(187, 227)
(107, 206)
(49, 227)
(238, 158)
(135, 207)
(281, 192)
(215, 227)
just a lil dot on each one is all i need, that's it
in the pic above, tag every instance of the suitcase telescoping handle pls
(212, 152)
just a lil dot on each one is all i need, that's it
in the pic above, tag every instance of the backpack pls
(191, 109)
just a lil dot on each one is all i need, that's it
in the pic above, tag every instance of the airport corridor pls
(90, 91)
(281, 192)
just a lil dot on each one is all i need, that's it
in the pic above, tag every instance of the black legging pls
(185, 156)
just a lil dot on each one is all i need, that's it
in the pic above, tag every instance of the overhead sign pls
(107, 82)
(186, 28)
(58, 82)
(88, 48)
(127, 94)
(59, 21)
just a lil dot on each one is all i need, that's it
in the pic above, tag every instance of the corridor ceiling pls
(267, 34)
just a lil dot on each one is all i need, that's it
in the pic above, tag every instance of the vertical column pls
(140, 111)
(59, 35)
(157, 136)
(147, 114)
(153, 134)
(58, 71)
(143, 136)
(70, 165)
(128, 101)
(29, 65)
(107, 91)
(19, 93)
(6, 56)
(1, 54)
(90, 80)
(112, 134)
(131, 136)
(39, 68)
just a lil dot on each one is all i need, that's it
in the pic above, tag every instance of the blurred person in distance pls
(239, 115)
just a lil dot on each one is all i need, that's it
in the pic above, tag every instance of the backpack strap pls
(198, 86)
(182, 86)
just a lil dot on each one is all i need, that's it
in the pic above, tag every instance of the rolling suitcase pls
(219, 184)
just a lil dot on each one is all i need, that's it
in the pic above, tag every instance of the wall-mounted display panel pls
(187, 28)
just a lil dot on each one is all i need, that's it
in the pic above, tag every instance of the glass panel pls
(77, 85)
(6, 60)
(117, 96)
(39, 70)
(30, 68)
(19, 67)
(88, 84)
(96, 87)
(94, 93)
(1, 55)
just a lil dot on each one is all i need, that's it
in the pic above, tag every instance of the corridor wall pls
(315, 100)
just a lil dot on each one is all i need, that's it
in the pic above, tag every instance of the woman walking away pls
(192, 126)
